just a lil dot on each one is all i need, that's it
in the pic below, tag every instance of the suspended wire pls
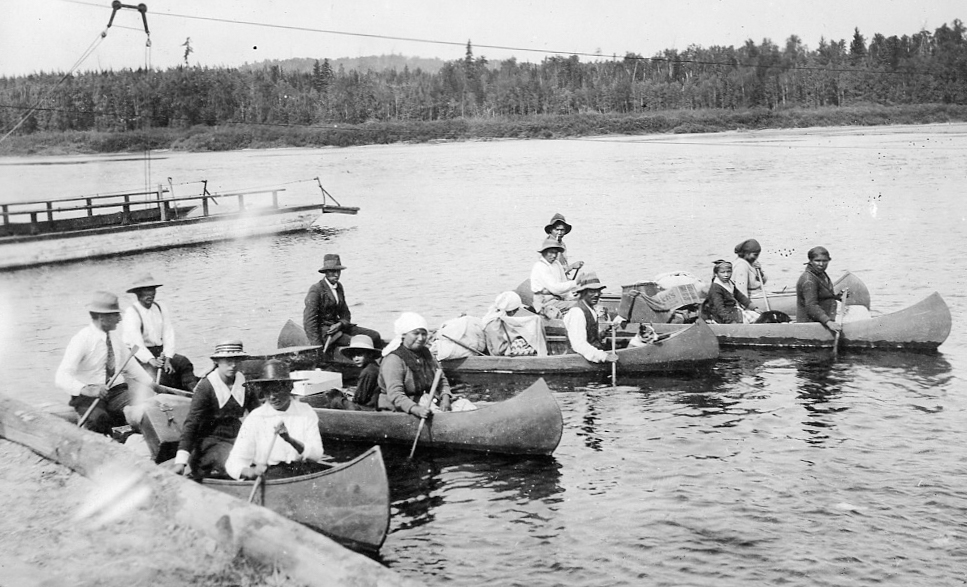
(628, 55)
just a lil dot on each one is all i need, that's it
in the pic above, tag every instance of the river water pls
(789, 467)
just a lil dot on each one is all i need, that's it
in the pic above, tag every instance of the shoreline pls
(679, 122)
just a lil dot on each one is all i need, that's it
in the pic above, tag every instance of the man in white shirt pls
(278, 431)
(148, 325)
(96, 358)
(581, 321)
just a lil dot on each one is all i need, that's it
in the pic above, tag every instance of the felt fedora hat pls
(557, 218)
(229, 349)
(589, 280)
(359, 344)
(551, 243)
(273, 370)
(144, 282)
(104, 302)
(331, 262)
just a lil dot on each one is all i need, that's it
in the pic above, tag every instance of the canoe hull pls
(690, 348)
(923, 326)
(350, 502)
(529, 423)
(52, 248)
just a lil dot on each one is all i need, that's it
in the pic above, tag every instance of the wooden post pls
(126, 214)
(50, 211)
(204, 205)
(90, 210)
(262, 535)
(6, 214)
(162, 206)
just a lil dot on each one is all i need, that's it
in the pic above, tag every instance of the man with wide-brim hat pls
(97, 371)
(279, 431)
(326, 317)
(581, 321)
(220, 402)
(148, 325)
(364, 355)
(557, 228)
(553, 291)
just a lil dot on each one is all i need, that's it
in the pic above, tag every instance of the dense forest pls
(922, 68)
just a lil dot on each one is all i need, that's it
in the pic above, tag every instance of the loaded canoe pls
(688, 349)
(349, 503)
(529, 423)
(922, 326)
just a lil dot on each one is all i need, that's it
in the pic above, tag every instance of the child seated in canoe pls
(278, 431)
(363, 354)
(722, 305)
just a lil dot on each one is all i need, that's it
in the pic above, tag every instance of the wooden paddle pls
(157, 376)
(458, 343)
(762, 284)
(614, 350)
(110, 384)
(839, 320)
(261, 478)
(436, 381)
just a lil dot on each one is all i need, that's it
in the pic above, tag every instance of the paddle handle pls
(419, 429)
(110, 384)
(458, 343)
(762, 284)
(839, 320)
(261, 478)
(614, 350)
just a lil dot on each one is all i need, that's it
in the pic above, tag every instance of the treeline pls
(923, 68)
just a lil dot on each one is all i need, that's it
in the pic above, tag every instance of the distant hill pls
(371, 63)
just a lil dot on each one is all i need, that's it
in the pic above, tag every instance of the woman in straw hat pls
(279, 431)
(553, 291)
(95, 358)
(582, 321)
(408, 369)
(218, 405)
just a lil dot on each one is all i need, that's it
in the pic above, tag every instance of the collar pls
(222, 392)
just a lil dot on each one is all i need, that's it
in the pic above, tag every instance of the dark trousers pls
(346, 334)
(184, 375)
(208, 460)
(106, 414)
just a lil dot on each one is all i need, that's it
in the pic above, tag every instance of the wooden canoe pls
(529, 423)
(922, 326)
(688, 349)
(349, 502)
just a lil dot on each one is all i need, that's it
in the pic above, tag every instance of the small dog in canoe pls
(773, 317)
(646, 335)
(334, 399)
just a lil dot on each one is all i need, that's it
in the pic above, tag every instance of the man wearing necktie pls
(92, 359)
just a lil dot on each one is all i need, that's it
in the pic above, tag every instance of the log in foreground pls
(255, 532)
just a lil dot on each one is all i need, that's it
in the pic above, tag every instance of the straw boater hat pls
(357, 345)
(331, 262)
(589, 280)
(551, 243)
(273, 370)
(554, 220)
(229, 349)
(143, 282)
(104, 302)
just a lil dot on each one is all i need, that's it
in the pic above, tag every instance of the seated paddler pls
(553, 291)
(509, 333)
(725, 303)
(581, 321)
(747, 274)
(279, 432)
(408, 369)
(557, 228)
(220, 402)
(326, 317)
(815, 297)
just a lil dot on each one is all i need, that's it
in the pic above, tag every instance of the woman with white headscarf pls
(408, 368)
(510, 335)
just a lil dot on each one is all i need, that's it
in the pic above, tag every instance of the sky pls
(53, 35)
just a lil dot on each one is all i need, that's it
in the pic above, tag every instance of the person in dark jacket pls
(327, 314)
(363, 354)
(220, 401)
(815, 297)
(725, 304)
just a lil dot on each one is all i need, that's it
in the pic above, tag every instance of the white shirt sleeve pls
(550, 277)
(66, 376)
(131, 332)
(577, 335)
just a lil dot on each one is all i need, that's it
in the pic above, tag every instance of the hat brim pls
(351, 350)
(587, 287)
(549, 227)
(135, 288)
(562, 249)
(336, 268)
(231, 356)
